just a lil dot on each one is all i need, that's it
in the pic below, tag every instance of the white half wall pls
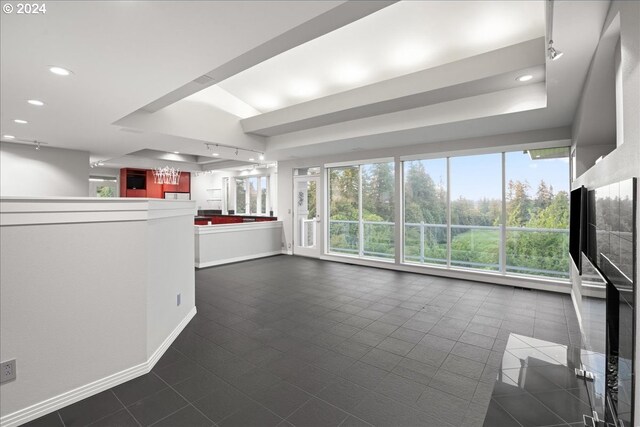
(226, 243)
(170, 255)
(47, 172)
(88, 295)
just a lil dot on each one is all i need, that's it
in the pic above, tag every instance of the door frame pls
(316, 251)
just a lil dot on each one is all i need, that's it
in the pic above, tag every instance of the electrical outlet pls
(8, 371)
(178, 299)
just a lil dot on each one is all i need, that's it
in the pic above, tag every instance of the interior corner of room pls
(485, 143)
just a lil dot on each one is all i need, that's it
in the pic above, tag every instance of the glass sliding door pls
(361, 210)
(537, 204)
(425, 211)
(476, 211)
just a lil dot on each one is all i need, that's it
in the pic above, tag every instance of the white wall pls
(88, 295)
(201, 185)
(170, 255)
(25, 171)
(623, 162)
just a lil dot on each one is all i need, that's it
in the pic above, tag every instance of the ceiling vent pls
(204, 80)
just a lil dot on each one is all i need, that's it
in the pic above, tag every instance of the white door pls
(306, 219)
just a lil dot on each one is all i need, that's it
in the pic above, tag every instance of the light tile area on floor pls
(537, 386)
(297, 341)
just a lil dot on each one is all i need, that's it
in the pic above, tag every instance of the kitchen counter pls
(218, 244)
(231, 219)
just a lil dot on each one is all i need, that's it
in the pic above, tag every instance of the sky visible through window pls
(519, 166)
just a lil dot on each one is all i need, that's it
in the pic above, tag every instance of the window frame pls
(326, 171)
(247, 194)
(399, 214)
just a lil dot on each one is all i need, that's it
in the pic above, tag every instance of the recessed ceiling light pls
(59, 71)
(35, 102)
(524, 78)
(266, 102)
(251, 159)
(304, 88)
(20, 121)
(215, 154)
(408, 55)
(8, 136)
(350, 73)
(176, 152)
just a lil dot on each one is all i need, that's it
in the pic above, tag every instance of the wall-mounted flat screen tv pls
(577, 225)
(136, 182)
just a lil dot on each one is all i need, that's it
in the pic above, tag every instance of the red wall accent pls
(123, 183)
(136, 193)
(153, 190)
(230, 219)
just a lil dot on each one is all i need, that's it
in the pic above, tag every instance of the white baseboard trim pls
(151, 362)
(60, 401)
(236, 259)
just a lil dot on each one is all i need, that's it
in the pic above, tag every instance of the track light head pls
(554, 53)
(261, 156)
(37, 145)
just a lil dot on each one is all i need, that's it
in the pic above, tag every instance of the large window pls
(344, 210)
(241, 195)
(425, 207)
(537, 194)
(252, 195)
(361, 210)
(476, 208)
(263, 196)
(455, 215)
(252, 186)
(103, 186)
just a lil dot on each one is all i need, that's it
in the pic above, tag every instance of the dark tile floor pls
(295, 341)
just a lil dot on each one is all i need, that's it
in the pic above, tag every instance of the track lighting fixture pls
(553, 52)
(37, 145)
(236, 150)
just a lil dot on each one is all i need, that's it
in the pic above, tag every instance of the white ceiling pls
(128, 55)
(123, 56)
(403, 38)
